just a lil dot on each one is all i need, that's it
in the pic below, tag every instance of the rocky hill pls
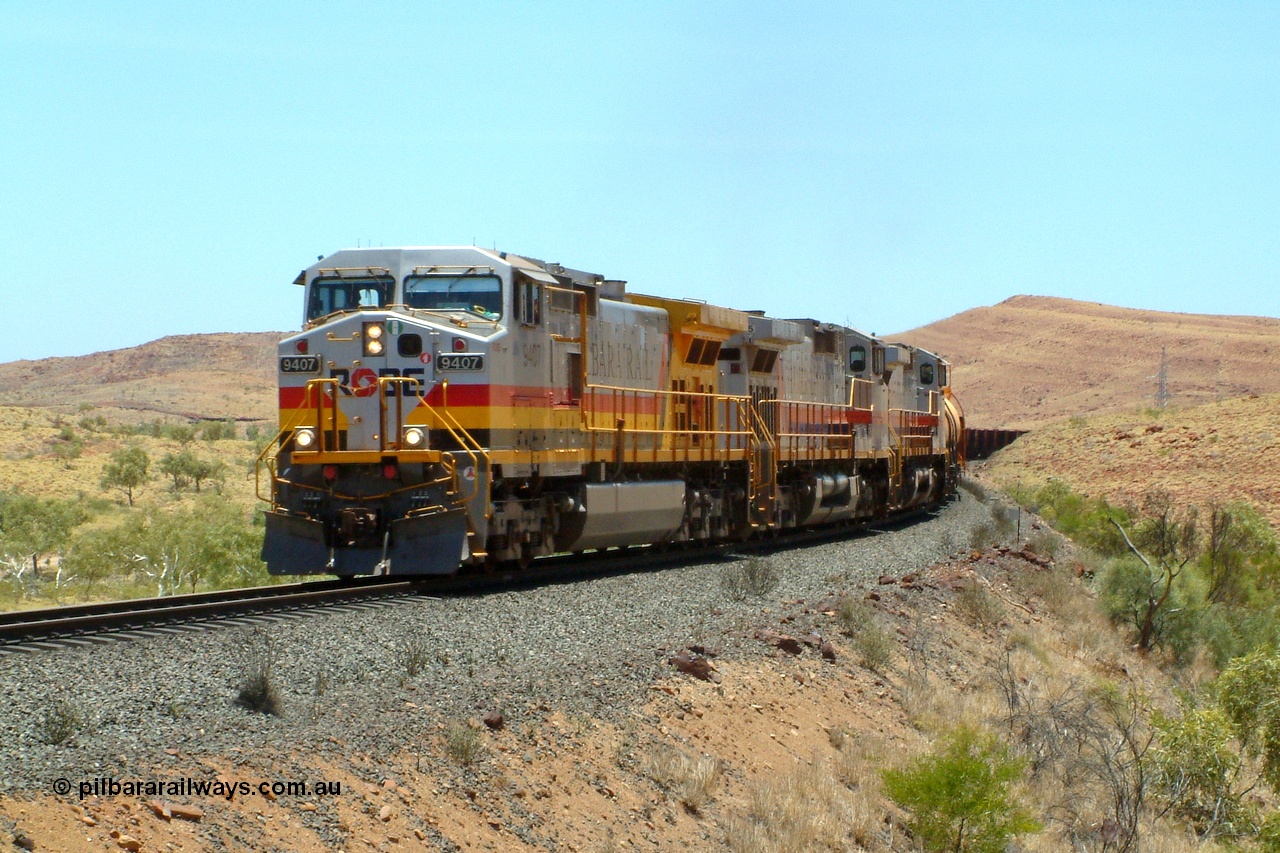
(191, 376)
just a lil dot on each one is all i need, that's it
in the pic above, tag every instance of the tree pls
(218, 430)
(186, 467)
(178, 466)
(210, 545)
(126, 471)
(1170, 537)
(207, 469)
(31, 527)
(960, 795)
(184, 434)
(1237, 539)
(96, 555)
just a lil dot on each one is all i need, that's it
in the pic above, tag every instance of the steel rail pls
(25, 626)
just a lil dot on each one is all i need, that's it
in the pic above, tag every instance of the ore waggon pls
(454, 406)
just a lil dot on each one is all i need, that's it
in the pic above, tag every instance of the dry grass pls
(691, 780)
(929, 707)
(58, 722)
(975, 604)
(873, 645)
(462, 742)
(806, 809)
(753, 577)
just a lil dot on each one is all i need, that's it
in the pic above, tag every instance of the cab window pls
(926, 374)
(333, 293)
(479, 294)
(857, 359)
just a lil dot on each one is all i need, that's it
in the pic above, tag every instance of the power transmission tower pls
(1162, 381)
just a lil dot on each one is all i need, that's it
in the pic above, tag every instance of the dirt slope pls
(1035, 359)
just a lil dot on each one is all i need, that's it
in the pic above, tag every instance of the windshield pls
(331, 293)
(479, 294)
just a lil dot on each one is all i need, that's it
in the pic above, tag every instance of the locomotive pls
(454, 406)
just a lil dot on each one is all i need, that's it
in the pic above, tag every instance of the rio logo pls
(364, 381)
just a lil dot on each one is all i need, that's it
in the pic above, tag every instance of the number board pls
(449, 361)
(300, 364)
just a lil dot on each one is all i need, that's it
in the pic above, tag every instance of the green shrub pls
(1227, 632)
(1269, 834)
(960, 795)
(1197, 766)
(1249, 692)
(1088, 521)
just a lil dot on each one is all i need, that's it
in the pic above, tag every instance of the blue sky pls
(168, 168)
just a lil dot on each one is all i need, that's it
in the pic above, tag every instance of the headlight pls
(373, 344)
(414, 437)
(305, 439)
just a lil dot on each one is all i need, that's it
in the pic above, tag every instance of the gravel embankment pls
(589, 648)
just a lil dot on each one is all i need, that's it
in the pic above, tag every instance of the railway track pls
(31, 626)
(39, 628)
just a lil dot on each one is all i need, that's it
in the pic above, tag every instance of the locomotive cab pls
(370, 458)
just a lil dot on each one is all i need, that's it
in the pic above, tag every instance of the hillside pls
(186, 376)
(1031, 360)
(1213, 452)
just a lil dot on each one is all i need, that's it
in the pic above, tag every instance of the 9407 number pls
(450, 361)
